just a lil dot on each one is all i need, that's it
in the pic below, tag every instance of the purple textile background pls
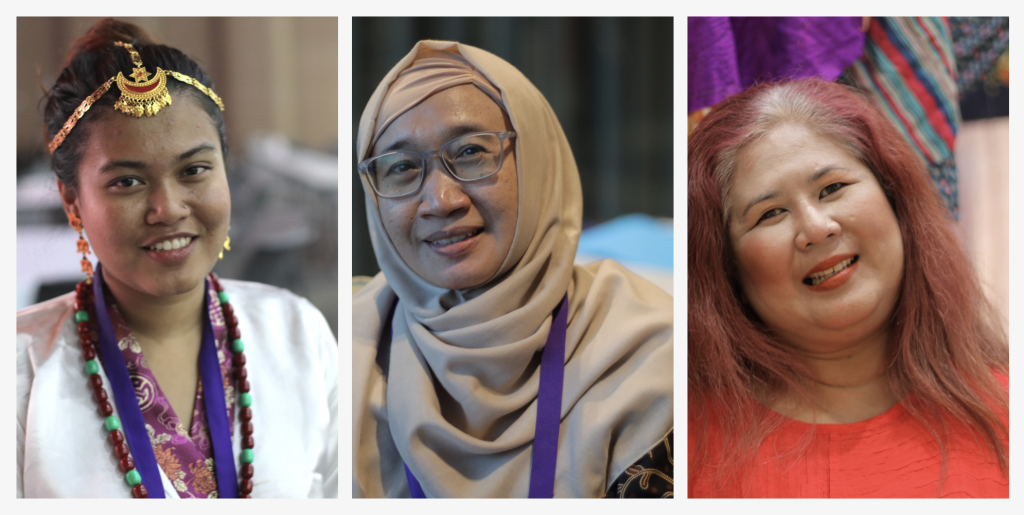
(727, 55)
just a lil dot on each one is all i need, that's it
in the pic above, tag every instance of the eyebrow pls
(818, 174)
(139, 165)
(448, 134)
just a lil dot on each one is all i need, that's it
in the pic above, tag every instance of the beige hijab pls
(454, 395)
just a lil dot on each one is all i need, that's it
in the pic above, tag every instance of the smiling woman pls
(142, 171)
(485, 363)
(839, 344)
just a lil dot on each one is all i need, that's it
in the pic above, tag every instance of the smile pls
(172, 244)
(819, 277)
(444, 242)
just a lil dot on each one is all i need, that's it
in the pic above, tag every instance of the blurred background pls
(609, 81)
(279, 81)
(943, 82)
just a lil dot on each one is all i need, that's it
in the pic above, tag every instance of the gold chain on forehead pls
(141, 96)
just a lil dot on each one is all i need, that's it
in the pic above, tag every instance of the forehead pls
(430, 122)
(785, 156)
(178, 127)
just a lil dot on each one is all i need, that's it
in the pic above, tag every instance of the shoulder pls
(624, 304)
(370, 305)
(264, 299)
(40, 324)
(279, 322)
(609, 274)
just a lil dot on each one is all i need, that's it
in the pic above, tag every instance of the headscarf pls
(454, 395)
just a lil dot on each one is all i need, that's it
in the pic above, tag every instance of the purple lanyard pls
(134, 425)
(549, 408)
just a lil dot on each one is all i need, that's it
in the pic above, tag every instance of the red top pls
(890, 455)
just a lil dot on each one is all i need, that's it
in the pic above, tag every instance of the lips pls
(170, 244)
(453, 242)
(452, 236)
(829, 268)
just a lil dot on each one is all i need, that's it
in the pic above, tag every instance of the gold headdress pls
(143, 96)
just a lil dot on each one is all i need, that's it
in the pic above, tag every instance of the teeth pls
(454, 239)
(174, 244)
(818, 277)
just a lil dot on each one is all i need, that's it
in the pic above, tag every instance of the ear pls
(69, 199)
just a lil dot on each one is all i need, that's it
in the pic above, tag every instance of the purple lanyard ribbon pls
(134, 425)
(549, 411)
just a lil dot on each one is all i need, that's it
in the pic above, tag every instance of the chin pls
(458, 281)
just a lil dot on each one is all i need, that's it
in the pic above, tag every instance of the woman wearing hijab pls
(155, 378)
(839, 344)
(485, 363)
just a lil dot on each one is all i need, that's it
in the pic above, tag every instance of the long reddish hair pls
(945, 340)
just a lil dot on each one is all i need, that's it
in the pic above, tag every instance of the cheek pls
(763, 264)
(506, 203)
(396, 221)
(215, 203)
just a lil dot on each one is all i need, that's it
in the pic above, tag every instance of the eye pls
(469, 150)
(126, 182)
(194, 170)
(771, 213)
(402, 167)
(831, 188)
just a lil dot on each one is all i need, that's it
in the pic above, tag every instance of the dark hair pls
(93, 60)
(945, 341)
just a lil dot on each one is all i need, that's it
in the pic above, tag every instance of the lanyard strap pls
(216, 408)
(549, 411)
(131, 416)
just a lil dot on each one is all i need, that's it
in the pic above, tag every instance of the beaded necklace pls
(89, 336)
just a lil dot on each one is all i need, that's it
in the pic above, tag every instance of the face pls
(454, 235)
(817, 245)
(146, 185)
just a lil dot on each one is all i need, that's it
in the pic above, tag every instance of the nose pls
(815, 226)
(167, 204)
(441, 195)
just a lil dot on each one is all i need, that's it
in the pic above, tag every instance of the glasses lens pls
(474, 157)
(396, 174)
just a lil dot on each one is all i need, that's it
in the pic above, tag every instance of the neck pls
(160, 319)
(846, 385)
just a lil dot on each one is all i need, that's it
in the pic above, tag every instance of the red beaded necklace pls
(85, 316)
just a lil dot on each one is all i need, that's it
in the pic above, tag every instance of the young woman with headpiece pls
(839, 343)
(485, 363)
(141, 383)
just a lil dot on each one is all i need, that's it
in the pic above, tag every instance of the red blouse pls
(890, 455)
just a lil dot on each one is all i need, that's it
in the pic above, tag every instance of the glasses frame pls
(364, 166)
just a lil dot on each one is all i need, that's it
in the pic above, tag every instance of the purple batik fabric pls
(184, 454)
(727, 55)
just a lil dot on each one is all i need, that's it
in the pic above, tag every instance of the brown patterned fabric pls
(650, 476)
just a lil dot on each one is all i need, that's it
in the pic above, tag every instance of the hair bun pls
(105, 33)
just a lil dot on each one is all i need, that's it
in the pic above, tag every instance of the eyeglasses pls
(468, 158)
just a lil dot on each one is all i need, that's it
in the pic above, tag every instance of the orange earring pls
(83, 246)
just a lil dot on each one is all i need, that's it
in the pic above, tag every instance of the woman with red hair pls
(839, 343)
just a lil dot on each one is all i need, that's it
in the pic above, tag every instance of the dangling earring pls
(227, 245)
(83, 246)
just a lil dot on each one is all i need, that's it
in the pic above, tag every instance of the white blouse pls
(292, 359)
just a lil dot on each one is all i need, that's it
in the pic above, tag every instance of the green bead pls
(92, 367)
(247, 456)
(237, 346)
(223, 297)
(81, 316)
(245, 400)
(132, 477)
(112, 423)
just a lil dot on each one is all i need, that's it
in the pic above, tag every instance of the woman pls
(845, 348)
(141, 383)
(485, 363)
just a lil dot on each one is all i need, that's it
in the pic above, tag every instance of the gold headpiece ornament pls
(143, 96)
